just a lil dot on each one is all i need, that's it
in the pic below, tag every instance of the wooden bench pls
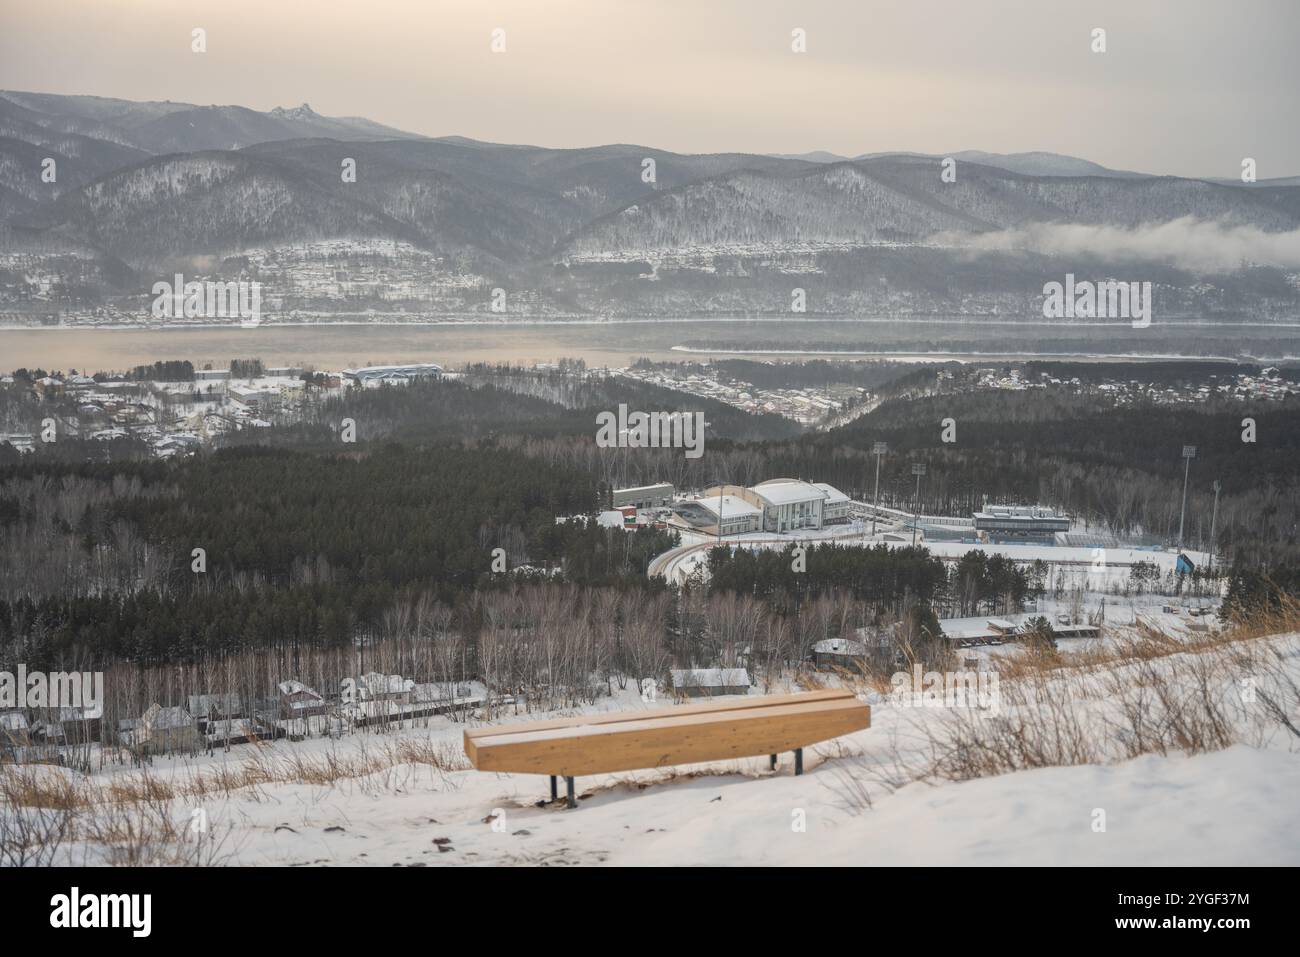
(662, 737)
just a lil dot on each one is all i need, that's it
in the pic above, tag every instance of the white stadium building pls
(374, 376)
(738, 515)
(777, 505)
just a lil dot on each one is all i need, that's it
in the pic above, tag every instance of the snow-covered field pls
(1097, 569)
(884, 796)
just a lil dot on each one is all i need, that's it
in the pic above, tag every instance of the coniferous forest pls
(465, 503)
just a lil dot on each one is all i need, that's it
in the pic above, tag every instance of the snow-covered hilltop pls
(1146, 749)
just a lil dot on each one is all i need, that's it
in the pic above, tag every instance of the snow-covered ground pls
(1094, 568)
(1101, 557)
(1236, 805)
(1116, 614)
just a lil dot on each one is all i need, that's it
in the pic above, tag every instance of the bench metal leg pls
(798, 760)
(569, 783)
(554, 793)
(771, 762)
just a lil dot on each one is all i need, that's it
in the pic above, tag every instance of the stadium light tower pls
(1189, 453)
(722, 488)
(879, 449)
(918, 470)
(1214, 518)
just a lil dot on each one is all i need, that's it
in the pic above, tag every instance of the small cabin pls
(839, 654)
(165, 730)
(15, 732)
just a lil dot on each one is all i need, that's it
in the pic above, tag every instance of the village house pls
(378, 687)
(440, 697)
(49, 385)
(223, 731)
(63, 725)
(299, 701)
(167, 730)
(208, 708)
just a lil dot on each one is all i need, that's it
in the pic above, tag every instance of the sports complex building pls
(1020, 523)
(373, 376)
(777, 505)
(644, 496)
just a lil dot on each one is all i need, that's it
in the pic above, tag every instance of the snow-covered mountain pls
(621, 228)
(1035, 163)
(167, 127)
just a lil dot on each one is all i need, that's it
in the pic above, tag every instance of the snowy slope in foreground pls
(1175, 811)
(1232, 806)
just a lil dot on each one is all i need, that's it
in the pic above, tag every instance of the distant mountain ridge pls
(611, 229)
(1036, 163)
(167, 127)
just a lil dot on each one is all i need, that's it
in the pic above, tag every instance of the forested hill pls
(495, 402)
(1082, 454)
(100, 559)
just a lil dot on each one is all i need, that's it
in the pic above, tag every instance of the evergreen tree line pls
(886, 579)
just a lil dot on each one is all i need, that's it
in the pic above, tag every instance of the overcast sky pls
(1186, 86)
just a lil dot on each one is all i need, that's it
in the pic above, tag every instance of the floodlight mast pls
(918, 470)
(1189, 453)
(1214, 519)
(721, 489)
(879, 449)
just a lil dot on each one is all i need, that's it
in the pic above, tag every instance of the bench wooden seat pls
(663, 737)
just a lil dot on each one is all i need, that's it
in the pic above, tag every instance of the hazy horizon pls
(1180, 90)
